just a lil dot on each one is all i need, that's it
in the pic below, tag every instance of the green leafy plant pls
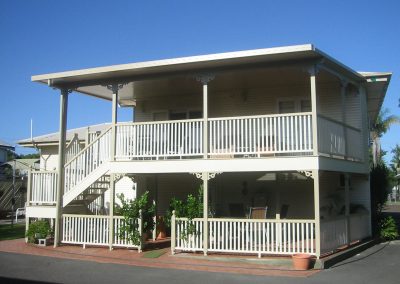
(191, 208)
(379, 182)
(130, 210)
(38, 230)
(388, 229)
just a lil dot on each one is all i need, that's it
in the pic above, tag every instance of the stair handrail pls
(88, 146)
(71, 144)
(73, 175)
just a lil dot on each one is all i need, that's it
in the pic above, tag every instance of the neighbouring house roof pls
(24, 164)
(92, 81)
(5, 145)
(53, 138)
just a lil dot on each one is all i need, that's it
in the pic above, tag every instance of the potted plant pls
(38, 230)
(302, 261)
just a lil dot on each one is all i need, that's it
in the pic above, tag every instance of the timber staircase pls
(85, 175)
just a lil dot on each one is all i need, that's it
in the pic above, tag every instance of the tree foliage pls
(130, 210)
(379, 182)
(191, 208)
(382, 124)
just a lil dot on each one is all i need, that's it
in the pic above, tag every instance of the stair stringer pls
(85, 183)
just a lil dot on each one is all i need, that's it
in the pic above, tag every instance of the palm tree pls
(382, 124)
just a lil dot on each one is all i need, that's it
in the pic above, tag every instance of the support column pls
(347, 206)
(111, 211)
(114, 119)
(315, 174)
(205, 176)
(28, 199)
(61, 162)
(205, 212)
(205, 79)
(313, 85)
(343, 89)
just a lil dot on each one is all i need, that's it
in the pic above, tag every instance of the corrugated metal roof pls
(53, 138)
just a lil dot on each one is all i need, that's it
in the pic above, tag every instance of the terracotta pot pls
(161, 228)
(301, 261)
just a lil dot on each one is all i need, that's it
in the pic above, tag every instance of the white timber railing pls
(278, 237)
(43, 187)
(359, 226)
(250, 135)
(73, 148)
(283, 133)
(338, 139)
(160, 139)
(91, 136)
(333, 234)
(185, 242)
(93, 230)
(88, 160)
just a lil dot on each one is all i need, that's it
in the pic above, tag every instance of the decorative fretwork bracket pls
(117, 177)
(308, 174)
(115, 87)
(205, 78)
(66, 91)
(207, 176)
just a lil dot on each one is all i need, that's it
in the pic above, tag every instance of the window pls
(286, 107)
(179, 115)
(293, 105)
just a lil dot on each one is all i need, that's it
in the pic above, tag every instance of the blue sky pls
(46, 36)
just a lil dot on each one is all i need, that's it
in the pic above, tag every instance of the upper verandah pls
(92, 81)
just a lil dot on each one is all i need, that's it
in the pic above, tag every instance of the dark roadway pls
(379, 264)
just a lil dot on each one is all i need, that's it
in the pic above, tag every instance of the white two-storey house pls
(285, 129)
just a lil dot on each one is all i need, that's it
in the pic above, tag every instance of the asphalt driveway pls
(379, 264)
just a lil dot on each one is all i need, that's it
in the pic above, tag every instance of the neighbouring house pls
(9, 190)
(4, 148)
(279, 131)
(22, 166)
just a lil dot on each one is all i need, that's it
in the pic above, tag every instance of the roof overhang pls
(376, 86)
(93, 81)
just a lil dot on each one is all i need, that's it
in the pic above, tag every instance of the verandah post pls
(347, 206)
(173, 232)
(28, 199)
(314, 118)
(61, 162)
(114, 116)
(315, 174)
(205, 212)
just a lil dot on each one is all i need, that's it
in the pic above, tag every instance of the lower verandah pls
(289, 226)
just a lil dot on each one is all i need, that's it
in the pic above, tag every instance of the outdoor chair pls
(258, 212)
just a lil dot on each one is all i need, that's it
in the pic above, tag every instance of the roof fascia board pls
(176, 61)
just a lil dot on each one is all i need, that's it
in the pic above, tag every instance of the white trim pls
(217, 165)
(41, 212)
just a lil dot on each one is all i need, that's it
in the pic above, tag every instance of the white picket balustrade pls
(122, 241)
(356, 145)
(43, 187)
(160, 139)
(283, 133)
(189, 242)
(279, 237)
(73, 148)
(333, 234)
(88, 160)
(92, 230)
(359, 226)
(332, 139)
